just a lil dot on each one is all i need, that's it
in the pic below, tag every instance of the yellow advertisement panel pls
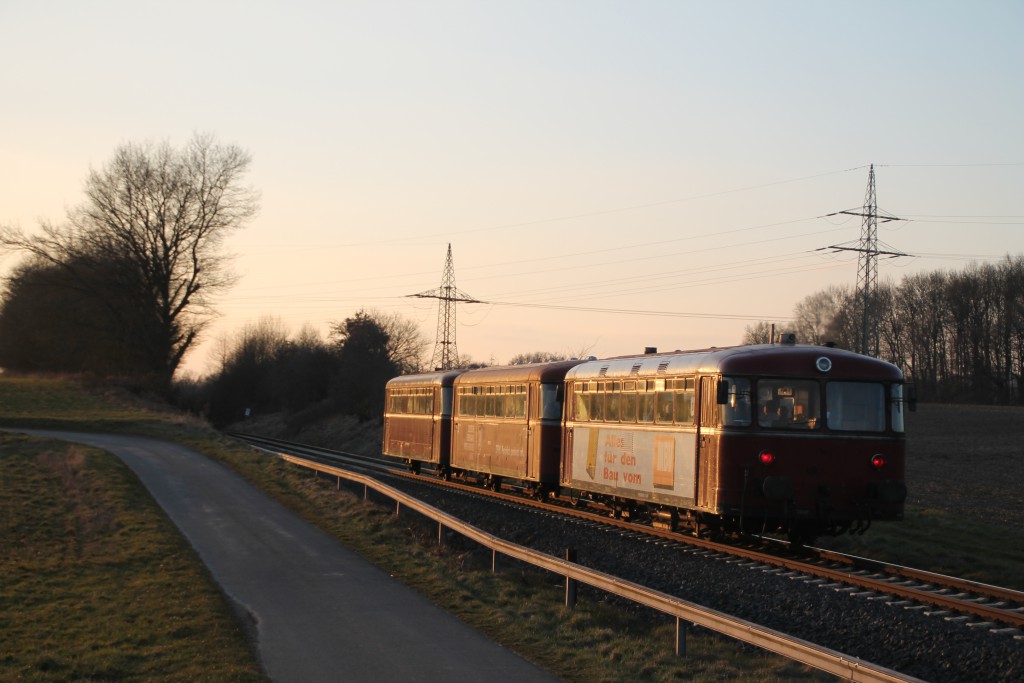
(663, 464)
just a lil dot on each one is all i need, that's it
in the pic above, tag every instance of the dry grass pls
(97, 583)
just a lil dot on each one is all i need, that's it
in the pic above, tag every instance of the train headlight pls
(878, 461)
(766, 457)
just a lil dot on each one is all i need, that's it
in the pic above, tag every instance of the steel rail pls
(884, 578)
(822, 658)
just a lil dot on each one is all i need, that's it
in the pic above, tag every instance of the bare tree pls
(537, 357)
(161, 214)
(759, 333)
(814, 314)
(406, 345)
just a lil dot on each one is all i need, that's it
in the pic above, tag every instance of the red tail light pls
(878, 461)
(766, 457)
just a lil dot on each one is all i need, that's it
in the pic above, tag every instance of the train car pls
(417, 418)
(805, 440)
(507, 424)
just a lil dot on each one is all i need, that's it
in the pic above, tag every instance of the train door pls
(534, 411)
(707, 444)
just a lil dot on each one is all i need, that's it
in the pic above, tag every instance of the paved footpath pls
(322, 613)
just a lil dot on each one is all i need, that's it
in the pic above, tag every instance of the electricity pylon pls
(446, 353)
(867, 265)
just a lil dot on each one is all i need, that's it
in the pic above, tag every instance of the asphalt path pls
(321, 612)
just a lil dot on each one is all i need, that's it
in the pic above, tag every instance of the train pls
(779, 438)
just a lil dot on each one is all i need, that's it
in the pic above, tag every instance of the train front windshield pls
(797, 405)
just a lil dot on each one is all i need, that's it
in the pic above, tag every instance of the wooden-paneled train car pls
(790, 438)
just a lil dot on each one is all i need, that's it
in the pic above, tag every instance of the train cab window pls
(788, 404)
(856, 406)
(736, 411)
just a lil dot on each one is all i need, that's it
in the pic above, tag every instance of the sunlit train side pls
(507, 424)
(801, 439)
(417, 418)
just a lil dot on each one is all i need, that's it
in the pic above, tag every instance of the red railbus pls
(507, 424)
(801, 439)
(417, 418)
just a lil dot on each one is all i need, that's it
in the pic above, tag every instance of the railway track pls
(976, 605)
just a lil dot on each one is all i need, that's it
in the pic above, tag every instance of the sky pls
(610, 175)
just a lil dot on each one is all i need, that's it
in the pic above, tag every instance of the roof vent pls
(650, 350)
(788, 338)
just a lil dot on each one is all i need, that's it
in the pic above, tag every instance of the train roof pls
(543, 372)
(444, 378)
(785, 360)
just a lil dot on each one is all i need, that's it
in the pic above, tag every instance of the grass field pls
(965, 509)
(99, 586)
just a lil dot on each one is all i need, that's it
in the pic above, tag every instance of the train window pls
(629, 401)
(612, 403)
(685, 395)
(519, 404)
(856, 406)
(412, 401)
(645, 407)
(446, 400)
(582, 406)
(663, 404)
(736, 411)
(897, 407)
(490, 407)
(597, 406)
(550, 406)
(788, 404)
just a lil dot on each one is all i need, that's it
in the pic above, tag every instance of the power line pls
(626, 311)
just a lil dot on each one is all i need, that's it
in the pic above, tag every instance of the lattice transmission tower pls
(446, 353)
(868, 341)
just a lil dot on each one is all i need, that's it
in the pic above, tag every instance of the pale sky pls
(628, 156)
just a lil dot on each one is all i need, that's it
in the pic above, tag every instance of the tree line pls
(265, 370)
(959, 336)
